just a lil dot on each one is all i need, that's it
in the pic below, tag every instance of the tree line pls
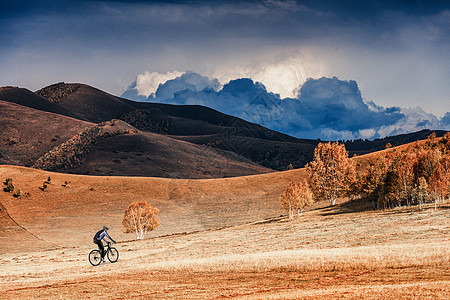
(408, 175)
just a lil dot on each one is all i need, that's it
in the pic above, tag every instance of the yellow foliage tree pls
(296, 196)
(140, 217)
(331, 173)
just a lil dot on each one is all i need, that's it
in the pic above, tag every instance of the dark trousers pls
(101, 247)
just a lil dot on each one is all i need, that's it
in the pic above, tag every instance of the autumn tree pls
(398, 178)
(439, 183)
(296, 197)
(139, 218)
(420, 192)
(331, 173)
(409, 175)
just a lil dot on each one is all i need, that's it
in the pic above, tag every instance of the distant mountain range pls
(73, 123)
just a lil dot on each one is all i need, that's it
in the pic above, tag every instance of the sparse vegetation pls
(143, 119)
(55, 92)
(43, 187)
(65, 184)
(17, 193)
(72, 152)
(139, 218)
(9, 185)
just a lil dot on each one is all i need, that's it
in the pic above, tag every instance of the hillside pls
(217, 238)
(328, 253)
(85, 101)
(360, 147)
(186, 205)
(55, 142)
(205, 126)
(86, 203)
(29, 133)
(194, 124)
(148, 154)
(29, 99)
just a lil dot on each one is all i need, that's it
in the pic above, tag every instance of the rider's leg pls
(101, 248)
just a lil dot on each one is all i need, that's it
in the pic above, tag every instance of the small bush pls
(9, 185)
(66, 183)
(18, 193)
(43, 187)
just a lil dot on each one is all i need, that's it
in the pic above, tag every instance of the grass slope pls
(29, 133)
(68, 215)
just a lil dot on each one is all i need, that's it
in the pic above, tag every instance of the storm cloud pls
(396, 50)
(326, 108)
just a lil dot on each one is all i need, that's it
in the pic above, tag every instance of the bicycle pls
(95, 257)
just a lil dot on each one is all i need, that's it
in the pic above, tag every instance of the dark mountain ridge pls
(201, 125)
(29, 99)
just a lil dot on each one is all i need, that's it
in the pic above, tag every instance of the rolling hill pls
(34, 135)
(88, 202)
(27, 98)
(83, 203)
(220, 237)
(195, 124)
(29, 133)
(198, 125)
(85, 101)
(205, 126)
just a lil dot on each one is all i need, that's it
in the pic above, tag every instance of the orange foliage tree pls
(139, 218)
(331, 174)
(296, 196)
(412, 175)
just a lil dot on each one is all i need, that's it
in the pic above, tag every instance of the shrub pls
(9, 185)
(43, 187)
(18, 193)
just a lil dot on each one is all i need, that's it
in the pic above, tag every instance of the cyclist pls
(99, 236)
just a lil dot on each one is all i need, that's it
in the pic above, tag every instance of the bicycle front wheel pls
(95, 257)
(113, 255)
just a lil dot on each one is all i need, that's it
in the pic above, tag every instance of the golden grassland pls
(327, 253)
(87, 203)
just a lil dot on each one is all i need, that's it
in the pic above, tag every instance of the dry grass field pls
(219, 238)
(395, 254)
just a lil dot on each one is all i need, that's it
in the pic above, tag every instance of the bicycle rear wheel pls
(113, 254)
(95, 257)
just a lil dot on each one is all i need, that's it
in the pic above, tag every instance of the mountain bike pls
(95, 256)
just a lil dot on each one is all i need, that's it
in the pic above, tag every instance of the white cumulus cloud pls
(283, 75)
(148, 83)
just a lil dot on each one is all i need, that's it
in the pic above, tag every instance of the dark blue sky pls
(397, 51)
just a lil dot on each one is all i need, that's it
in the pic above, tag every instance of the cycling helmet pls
(105, 228)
